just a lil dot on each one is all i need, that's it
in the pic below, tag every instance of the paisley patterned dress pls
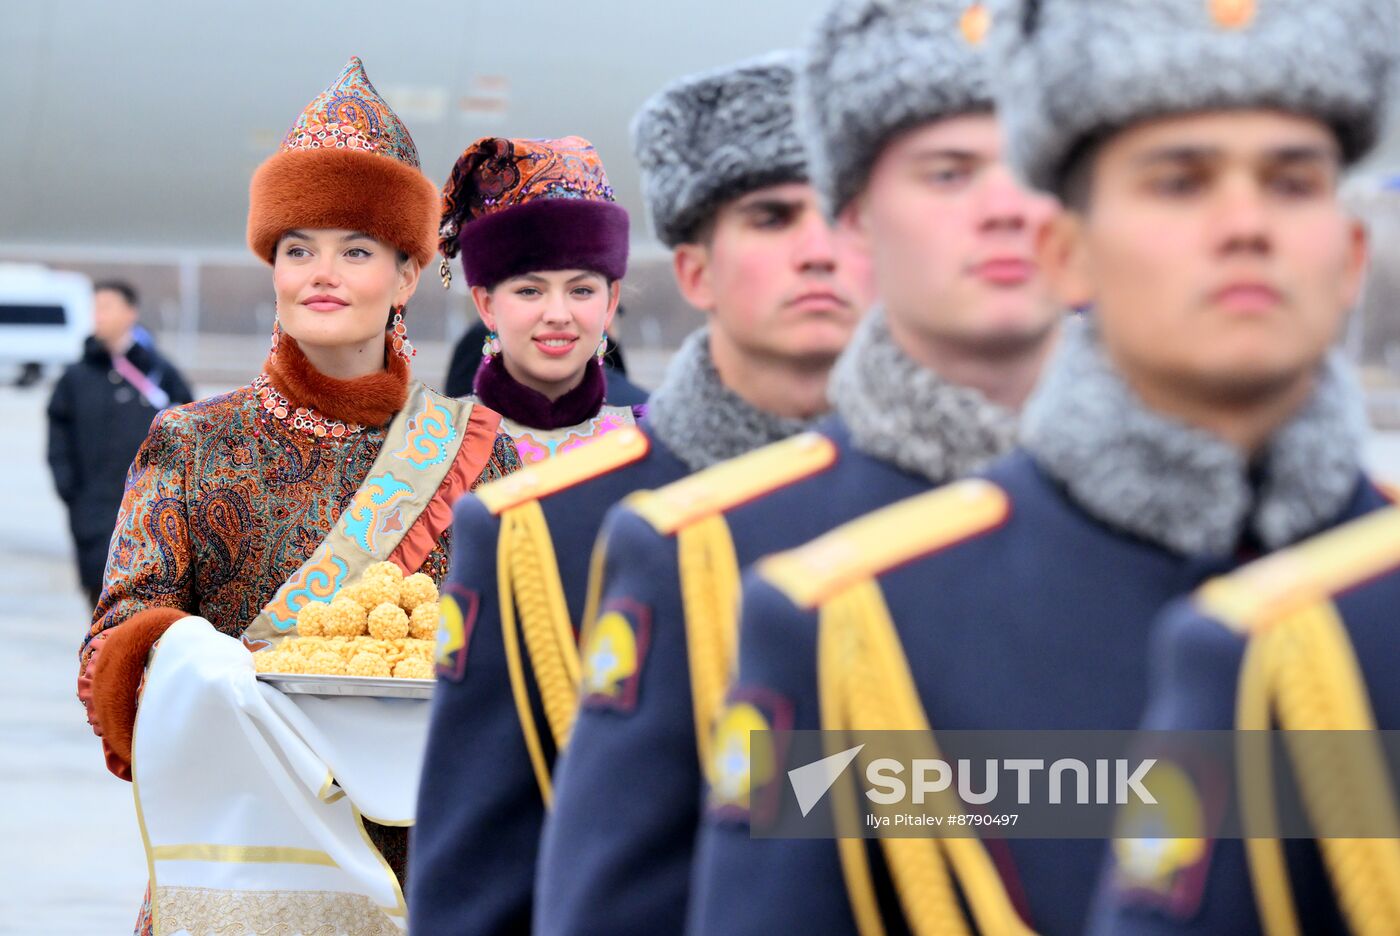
(226, 499)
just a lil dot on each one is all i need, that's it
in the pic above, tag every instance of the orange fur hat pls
(348, 162)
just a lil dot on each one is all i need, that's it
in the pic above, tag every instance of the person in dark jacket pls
(99, 415)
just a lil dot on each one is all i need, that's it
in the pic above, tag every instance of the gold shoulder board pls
(1250, 599)
(607, 452)
(721, 487)
(886, 538)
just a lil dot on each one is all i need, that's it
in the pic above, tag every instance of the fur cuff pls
(350, 189)
(116, 668)
(546, 234)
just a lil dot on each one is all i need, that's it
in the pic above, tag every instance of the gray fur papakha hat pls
(1071, 72)
(877, 67)
(711, 137)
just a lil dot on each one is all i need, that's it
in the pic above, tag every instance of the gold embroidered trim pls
(243, 854)
(204, 911)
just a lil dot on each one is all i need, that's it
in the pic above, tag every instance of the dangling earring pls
(445, 272)
(602, 346)
(490, 347)
(402, 346)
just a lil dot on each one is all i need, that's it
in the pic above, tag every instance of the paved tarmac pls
(71, 863)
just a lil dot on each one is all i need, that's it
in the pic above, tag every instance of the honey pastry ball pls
(425, 649)
(417, 589)
(385, 569)
(388, 622)
(376, 590)
(347, 618)
(413, 668)
(423, 622)
(311, 620)
(367, 664)
(325, 663)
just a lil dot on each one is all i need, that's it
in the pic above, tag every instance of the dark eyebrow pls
(297, 235)
(960, 155)
(1168, 154)
(1305, 154)
(771, 203)
(585, 274)
(1292, 154)
(355, 235)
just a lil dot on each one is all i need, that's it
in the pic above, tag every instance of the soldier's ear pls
(691, 263)
(1063, 255)
(1358, 247)
(854, 221)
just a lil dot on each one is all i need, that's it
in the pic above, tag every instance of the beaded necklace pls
(301, 418)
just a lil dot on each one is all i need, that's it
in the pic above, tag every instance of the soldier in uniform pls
(1196, 419)
(927, 392)
(1299, 640)
(727, 190)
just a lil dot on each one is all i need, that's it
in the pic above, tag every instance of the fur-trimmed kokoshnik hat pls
(1072, 72)
(711, 137)
(875, 68)
(521, 206)
(347, 162)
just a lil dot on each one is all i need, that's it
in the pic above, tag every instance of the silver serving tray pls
(383, 687)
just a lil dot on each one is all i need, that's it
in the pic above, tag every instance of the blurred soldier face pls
(952, 236)
(549, 324)
(1215, 253)
(113, 317)
(335, 288)
(778, 283)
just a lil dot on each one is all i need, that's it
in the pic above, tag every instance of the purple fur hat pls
(522, 206)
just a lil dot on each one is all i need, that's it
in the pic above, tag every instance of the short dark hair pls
(122, 288)
(702, 232)
(1076, 178)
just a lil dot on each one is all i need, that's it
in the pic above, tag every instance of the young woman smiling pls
(243, 508)
(544, 249)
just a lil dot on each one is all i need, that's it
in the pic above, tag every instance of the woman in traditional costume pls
(544, 249)
(243, 508)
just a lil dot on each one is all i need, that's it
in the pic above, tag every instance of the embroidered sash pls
(421, 445)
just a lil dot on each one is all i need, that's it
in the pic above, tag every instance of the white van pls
(44, 314)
